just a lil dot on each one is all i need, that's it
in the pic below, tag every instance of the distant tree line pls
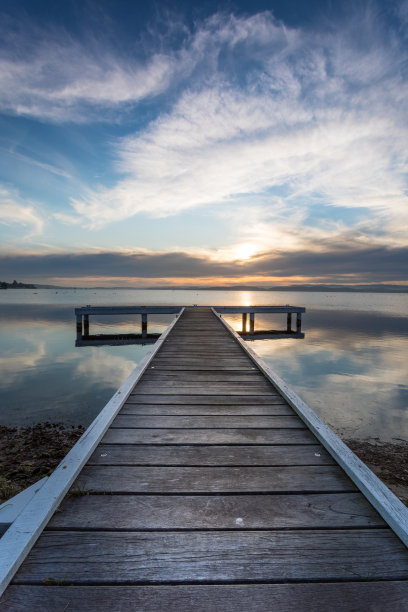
(16, 285)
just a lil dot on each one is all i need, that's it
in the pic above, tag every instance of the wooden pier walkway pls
(208, 493)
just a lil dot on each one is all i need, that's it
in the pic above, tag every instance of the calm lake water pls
(351, 367)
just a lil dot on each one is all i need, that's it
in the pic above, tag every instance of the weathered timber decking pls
(209, 493)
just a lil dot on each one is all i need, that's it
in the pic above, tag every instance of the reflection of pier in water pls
(248, 332)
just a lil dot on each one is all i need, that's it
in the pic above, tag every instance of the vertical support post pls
(79, 327)
(298, 321)
(244, 321)
(144, 325)
(289, 323)
(86, 325)
(251, 322)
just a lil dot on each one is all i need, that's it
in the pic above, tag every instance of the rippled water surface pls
(351, 367)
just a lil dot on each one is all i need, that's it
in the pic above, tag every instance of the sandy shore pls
(29, 453)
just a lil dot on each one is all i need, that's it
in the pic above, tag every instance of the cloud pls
(288, 117)
(260, 121)
(43, 165)
(344, 263)
(50, 75)
(12, 212)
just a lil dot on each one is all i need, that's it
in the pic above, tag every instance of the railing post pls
(86, 325)
(289, 323)
(144, 325)
(251, 322)
(244, 322)
(298, 321)
(78, 327)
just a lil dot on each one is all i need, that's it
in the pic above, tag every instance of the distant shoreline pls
(306, 288)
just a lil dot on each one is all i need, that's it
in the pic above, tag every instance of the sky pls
(203, 143)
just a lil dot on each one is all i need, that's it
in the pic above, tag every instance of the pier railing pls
(250, 311)
(82, 315)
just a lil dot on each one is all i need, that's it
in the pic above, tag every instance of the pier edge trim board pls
(22, 534)
(259, 309)
(123, 310)
(390, 508)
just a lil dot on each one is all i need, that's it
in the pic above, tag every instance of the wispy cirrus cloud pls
(288, 117)
(53, 169)
(15, 212)
(52, 76)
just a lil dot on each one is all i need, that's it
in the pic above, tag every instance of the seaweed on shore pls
(27, 454)
(388, 461)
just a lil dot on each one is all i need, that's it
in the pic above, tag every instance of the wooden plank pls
(222, 343)
(197, 355)
(220, 346)
(205, 332)
(336, 597)
(202, 388)
(206, 436)
(223, 387)
(181, 358)
(201, 345)
(131, 454)
(212, 422)
(384, 501)
(148, 479)
(157, 557)
(208, 337)
(203, 410)
(216, 400)
(208, 363)
(205, 353)
(188, 366)
(24, 531)
(205, 356)
(137, 512)
(202, 376)
(205, 349)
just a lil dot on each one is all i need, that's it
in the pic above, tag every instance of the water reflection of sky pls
(44, 377)
(351, 367)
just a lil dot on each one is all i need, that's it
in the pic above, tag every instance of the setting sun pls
(245, 251)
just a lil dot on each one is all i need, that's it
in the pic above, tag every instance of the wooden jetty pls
(205, 485)
(85, 338)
